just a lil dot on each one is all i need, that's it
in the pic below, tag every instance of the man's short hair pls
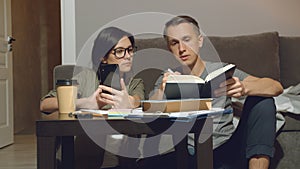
(182, 19)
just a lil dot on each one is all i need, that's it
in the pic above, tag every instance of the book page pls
(220, 71)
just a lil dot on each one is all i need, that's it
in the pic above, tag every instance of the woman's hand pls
(92, 102)
(118, 99)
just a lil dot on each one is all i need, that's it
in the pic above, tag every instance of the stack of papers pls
(188, 114)
(138, 113)
(109, 113)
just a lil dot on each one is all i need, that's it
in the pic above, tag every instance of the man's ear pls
(200, 39)
(167, 42)
(169, 48)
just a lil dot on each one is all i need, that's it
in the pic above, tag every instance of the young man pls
(251, 144)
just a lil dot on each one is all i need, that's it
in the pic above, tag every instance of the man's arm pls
(265, 87)
(251, 85)
(160, 87)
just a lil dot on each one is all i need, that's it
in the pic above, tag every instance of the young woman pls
(112, 46)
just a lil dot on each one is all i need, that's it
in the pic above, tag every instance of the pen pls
(82, 114)
(170, 70)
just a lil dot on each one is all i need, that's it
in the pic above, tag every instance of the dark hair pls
(106, 40)
(182, 19)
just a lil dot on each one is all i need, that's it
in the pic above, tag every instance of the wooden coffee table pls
(66, 128)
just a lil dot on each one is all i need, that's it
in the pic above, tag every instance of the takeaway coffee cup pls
(66, 95)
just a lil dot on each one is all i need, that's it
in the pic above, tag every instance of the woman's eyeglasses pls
(121, 52)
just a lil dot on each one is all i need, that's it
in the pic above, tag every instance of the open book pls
(190, 86)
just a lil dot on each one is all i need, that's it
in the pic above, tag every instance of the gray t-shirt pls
(223, 127)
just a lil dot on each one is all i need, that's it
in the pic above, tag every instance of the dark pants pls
(255, 135)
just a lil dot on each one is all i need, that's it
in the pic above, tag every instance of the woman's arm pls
(135, 101)
(119, 98)
(92, 102)
(49, 105)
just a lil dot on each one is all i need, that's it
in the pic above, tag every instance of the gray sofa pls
(263, 55)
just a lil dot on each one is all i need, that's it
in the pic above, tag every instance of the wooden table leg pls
(67, 152)
(46, 155)
(204, 147)
(204, 154)
(182, 154)
(130, 145)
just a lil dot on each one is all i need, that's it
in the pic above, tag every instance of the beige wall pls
(228, 17)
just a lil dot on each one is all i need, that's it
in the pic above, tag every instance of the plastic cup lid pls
(66, 82)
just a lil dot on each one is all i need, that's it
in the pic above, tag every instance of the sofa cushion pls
(289, 60)
(256, 54)
(292, 122)
(158, 43)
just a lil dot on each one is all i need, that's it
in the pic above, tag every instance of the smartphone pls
(109, 75)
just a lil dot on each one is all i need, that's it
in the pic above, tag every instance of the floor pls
(21, 154)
